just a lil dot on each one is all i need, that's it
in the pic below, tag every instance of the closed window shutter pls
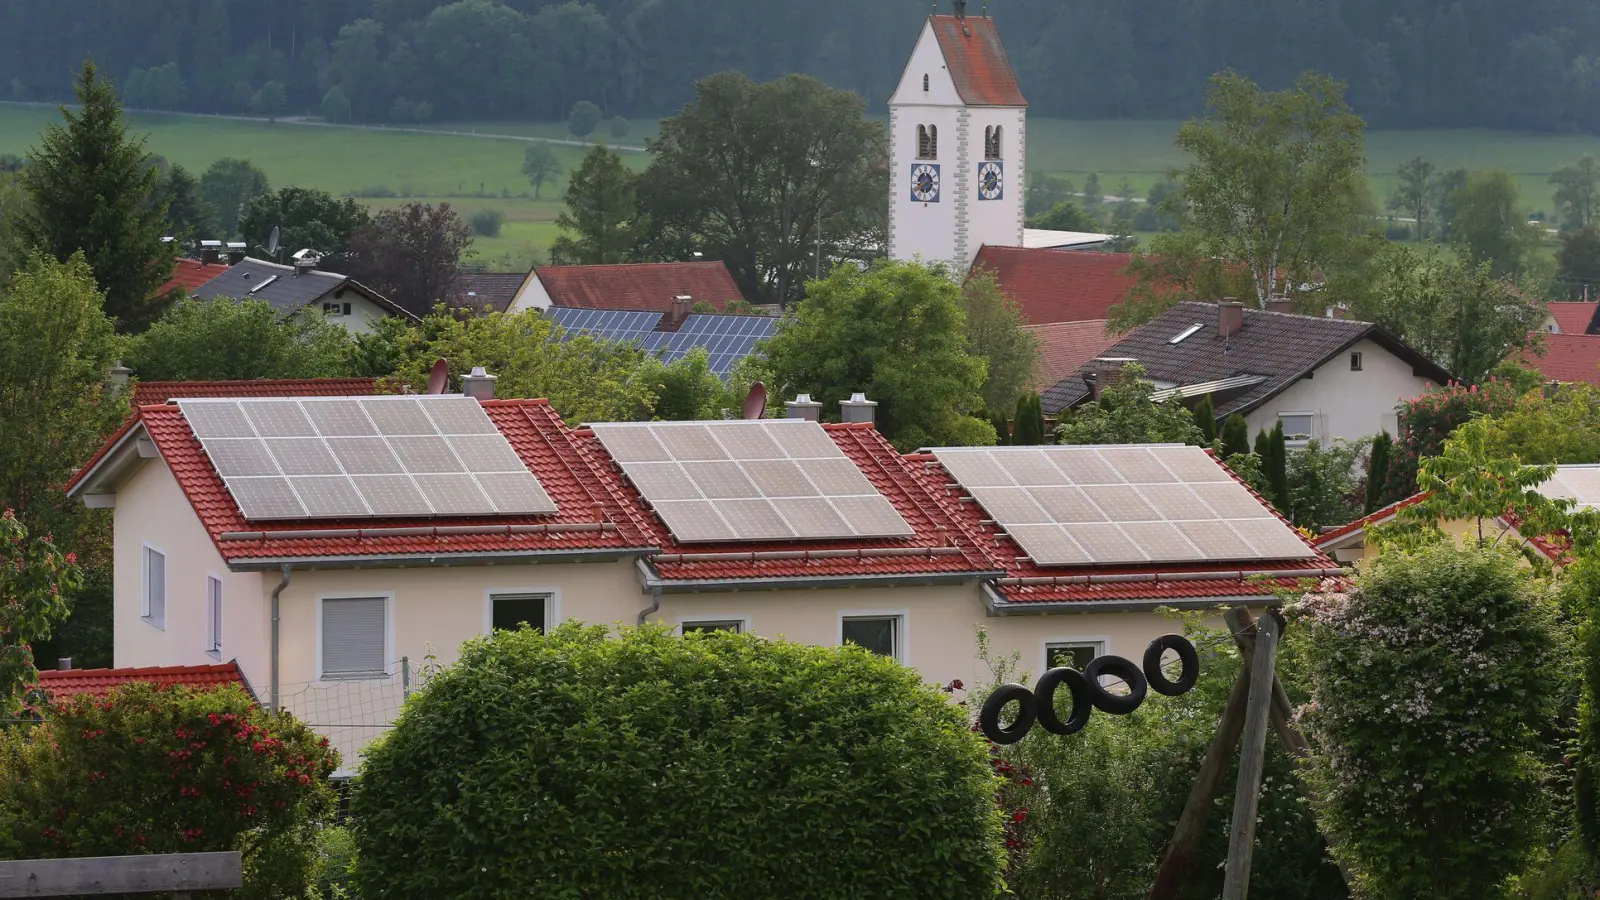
(353, 637)
(214, 609)
(156, 588)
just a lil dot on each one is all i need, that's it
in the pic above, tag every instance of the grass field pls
(477, 172)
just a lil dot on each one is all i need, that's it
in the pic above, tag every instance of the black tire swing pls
(1087, 692)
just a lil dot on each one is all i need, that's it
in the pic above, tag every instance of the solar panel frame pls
(694, 521)
(340, 418)
(304, 456)
(240, 457)
(779, 478)
(720, 479)
(870, 516)
(329, 496)
(454, 494)
(426, 455)
(514, 493)
(278, 418)
(811, 517)
(216, 419)
(266, 498)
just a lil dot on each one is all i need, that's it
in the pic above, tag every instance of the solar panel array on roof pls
(350, 458)
(1076, 506)
(610, 324)
(726, 339)
(1578, 483)
(750, 480)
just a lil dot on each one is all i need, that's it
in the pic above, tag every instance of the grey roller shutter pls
(155, 569)
(353, 631)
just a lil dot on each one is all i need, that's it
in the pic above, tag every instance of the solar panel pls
(725, 338)
(1121, 505)
(1580, 484)
(609, 324)
(749, 480)
(316, 457)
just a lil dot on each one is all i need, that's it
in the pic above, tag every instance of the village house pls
(650, 287)
(295, 288)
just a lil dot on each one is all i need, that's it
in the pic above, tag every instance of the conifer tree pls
(1235, 436)
(89, 185)
(601, 223)
(1002, 428)
(1205, 416)
(1029, 428)
(1378, 469)
(1276, 466)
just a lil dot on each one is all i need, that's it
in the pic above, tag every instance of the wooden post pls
(1252, 757)
(152, 873)
(1186, 836)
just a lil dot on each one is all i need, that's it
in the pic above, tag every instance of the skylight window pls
(263, 284)
(1185, 333)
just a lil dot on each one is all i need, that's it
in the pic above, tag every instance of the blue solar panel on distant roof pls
(611, 324)
(726, 338)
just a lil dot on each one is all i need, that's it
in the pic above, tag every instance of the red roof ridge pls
(63, 683)
(1378, 515)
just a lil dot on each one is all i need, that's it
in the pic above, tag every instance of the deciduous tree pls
(310, 219)
(1489, 225)
(230, 340)
(583, 119)
(88, 188)
(35, 580)
(1415, 192)
(601, 223)
(777, 180)
(227, 186)
(412, 254)
(539, 164)
(1577, 189)
(1128, 413)
(896, 332)
(1066, 215)
(996, 332)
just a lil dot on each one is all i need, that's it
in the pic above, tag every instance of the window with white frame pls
(511, 611)
(354, 637)
(1355, 362)
(153, 602)
(708, 625)
(878, 634)
(214, 615)
(1297, 427)
(1072, 654)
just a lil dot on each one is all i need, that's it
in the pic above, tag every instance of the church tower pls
(957, 133)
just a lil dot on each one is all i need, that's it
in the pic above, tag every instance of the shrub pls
(487, 222)
(1431, 681)
(151, 770)
(646, 765)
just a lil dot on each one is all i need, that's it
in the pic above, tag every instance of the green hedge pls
(590, 764)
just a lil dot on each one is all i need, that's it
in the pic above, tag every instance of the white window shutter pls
(353, 637)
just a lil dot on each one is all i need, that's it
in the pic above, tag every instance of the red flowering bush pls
(33, 577)
(1427, 420)
(155, 770)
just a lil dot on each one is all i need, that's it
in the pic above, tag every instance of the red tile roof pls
(535, 432)
(190, 274)
(977, 61)
(1059, 285)
(645, 286)
(955, 551)
(1573, 318)
(1066, 347)
(1376, 517)
(146, 393)
(1152, 583)
(100, 682)
(1567, 357)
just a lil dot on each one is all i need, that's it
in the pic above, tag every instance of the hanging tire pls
(989, 716)
(1186, 655)
(1117, 667)
(1045, 693)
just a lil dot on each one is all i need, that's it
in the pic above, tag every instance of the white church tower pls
(957, 137)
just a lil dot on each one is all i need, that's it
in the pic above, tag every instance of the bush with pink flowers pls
(169, 770)
(1427, 420)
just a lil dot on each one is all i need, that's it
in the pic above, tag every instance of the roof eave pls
(407, 560)
(998, 605)
(114, 465)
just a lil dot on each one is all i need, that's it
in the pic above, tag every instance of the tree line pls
(1419, 63)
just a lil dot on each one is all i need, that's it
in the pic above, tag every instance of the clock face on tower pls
(991, 181)
(925, 183)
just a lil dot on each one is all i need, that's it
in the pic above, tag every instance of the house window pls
(927, 142)
(214, 615)
(1072, 654)
(1297, 427)
(734, 625)
(354, 637)
(991, 142)
(153, 603)
(508, 612)
(336, 309)
(1355, 362)
(924, 83)
(878, 634)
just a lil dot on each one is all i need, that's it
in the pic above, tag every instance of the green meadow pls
(473, 169)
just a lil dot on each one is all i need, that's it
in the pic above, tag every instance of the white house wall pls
(996, 222)
(1349, 405)
(531, 296)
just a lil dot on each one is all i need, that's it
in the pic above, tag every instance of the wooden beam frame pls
(148, 874)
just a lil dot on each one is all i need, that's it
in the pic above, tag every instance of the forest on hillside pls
(1521, 64)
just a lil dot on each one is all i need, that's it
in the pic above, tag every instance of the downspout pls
(654, 607)
(276, 592)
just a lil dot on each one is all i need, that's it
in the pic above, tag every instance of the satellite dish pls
(755, 404)
(274, 238)
(438, 377)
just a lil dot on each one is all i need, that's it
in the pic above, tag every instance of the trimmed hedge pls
(591, 764)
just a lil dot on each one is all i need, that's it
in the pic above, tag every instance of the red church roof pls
(1066, 347)
(1567, 357)
(190, 274)
(1059, 285)
(99, 682)
(644, 286)
(977, 61)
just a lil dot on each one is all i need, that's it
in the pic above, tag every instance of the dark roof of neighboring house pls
(495, 290)
(288, 293)
(643, 286)
(190, 274)
(63, 684)
(1573, 318)
(1282, 346)
(977, 61)
(1059, 285)
(1566, 357)
(1066, 347)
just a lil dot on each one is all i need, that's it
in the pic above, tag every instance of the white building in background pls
(957, 133)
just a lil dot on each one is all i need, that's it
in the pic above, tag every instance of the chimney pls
(1103, 372)
(858, 409)
(236, 252)
(117, 377)
(210, 252)
(64, 664)
(1280, 304)
(304, 266)
(1230, 317)
(681, 305)
(961, 9)
(803, 407)
(479, 385)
